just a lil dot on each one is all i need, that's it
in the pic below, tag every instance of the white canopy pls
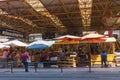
(16, 43)
(3, 46)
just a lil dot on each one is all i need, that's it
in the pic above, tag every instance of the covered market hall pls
(55, 33)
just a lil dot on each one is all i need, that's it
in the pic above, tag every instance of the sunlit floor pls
(56, 74)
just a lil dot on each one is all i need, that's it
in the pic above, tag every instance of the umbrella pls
(4, 46)
(48, 43)
(93, 38)
(38, 46)
(16, 43)
(110, 39)
(68, 37)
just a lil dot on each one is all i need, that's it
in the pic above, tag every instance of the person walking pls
(24, 58)
(103, 59)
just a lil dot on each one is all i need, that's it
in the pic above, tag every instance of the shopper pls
(24, 58)
(103, 59)
(4, 57)
(62, 55)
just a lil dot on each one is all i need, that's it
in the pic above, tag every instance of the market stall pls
(16, 47)
(109, 46)
(69, 45)
(87, 49)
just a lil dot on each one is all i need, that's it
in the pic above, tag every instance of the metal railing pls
(60, 63)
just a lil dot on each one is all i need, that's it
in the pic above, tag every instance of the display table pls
(68, 62)
(96, 59)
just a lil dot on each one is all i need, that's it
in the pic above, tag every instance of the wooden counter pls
(69, 62)
(97, 59)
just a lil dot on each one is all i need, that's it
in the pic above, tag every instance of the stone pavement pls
(67, 74)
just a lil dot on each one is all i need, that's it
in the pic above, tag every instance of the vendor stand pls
(87, 51)
(68, 44)
(109, 46)
(70, 48)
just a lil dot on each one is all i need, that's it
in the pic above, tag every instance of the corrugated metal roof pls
(56, 15)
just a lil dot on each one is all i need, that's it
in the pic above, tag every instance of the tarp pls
(16, 43)
(3, 46)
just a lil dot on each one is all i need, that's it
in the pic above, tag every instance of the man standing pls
(103, 58)
(62, 55)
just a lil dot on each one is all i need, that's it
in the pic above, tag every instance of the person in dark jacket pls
(103, 59)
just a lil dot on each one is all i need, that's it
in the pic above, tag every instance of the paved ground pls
(67, 74)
